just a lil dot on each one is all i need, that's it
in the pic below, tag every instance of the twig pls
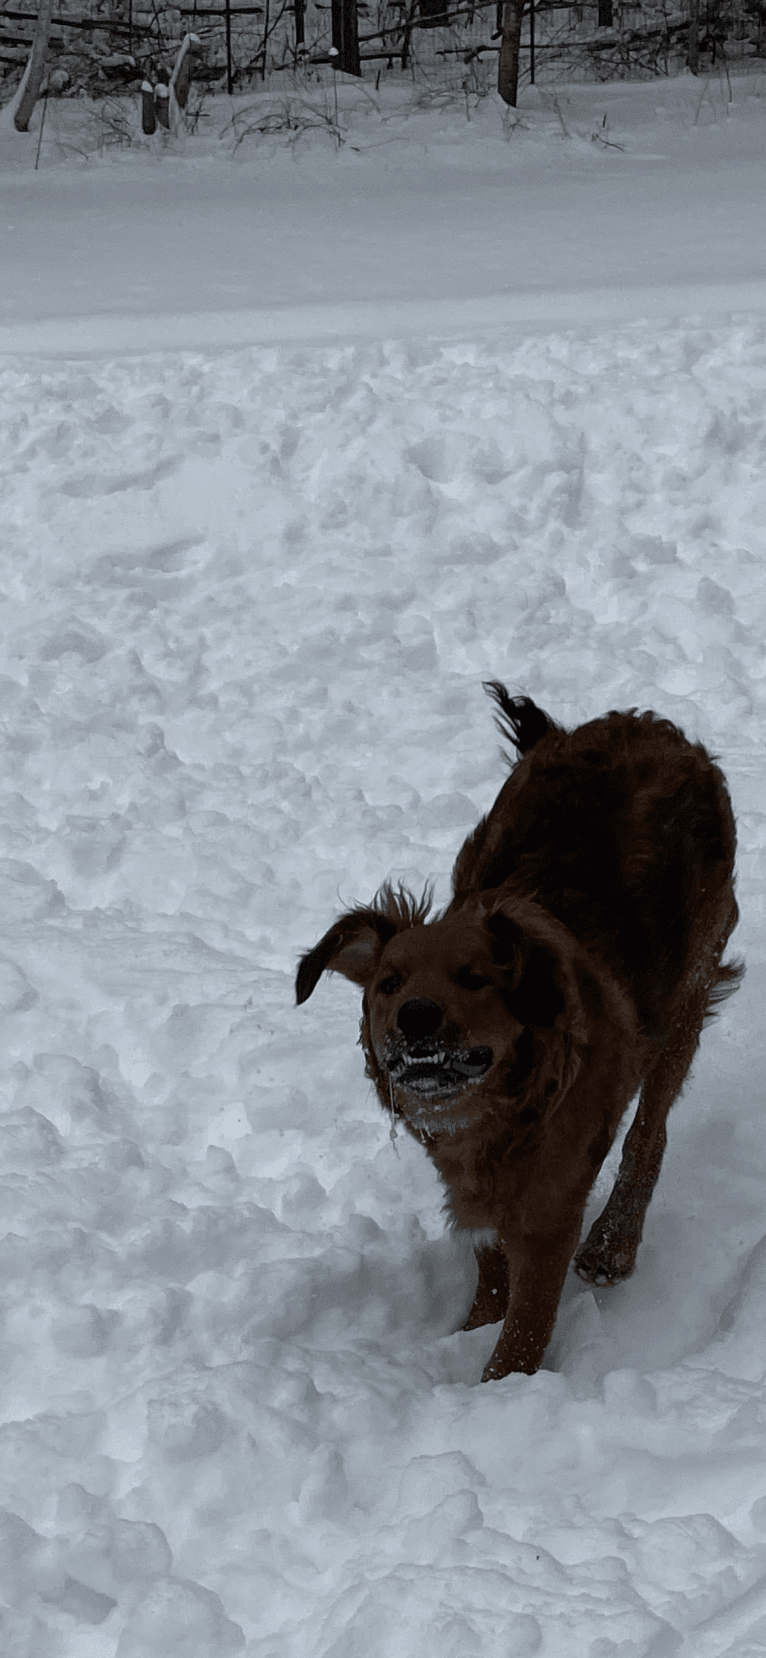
(42, 124)
(557, 107)
(601, 138)
(703, 96)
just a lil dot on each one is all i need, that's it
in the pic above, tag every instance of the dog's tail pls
(521, 719)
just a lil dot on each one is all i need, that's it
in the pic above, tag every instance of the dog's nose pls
(419, 1018)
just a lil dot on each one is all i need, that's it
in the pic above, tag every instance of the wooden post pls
(229, 81)
(693, 53)
(300, 28)
(531, 42)
(29, 90)
(345, 35)
(265, 41)
(162, 105)
(508, 64)
(148, 117)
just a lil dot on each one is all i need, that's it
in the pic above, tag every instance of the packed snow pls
(249, 590)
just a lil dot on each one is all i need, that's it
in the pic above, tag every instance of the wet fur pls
(582, 950)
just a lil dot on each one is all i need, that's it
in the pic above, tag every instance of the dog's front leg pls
(491, 1299)
(537, 1267)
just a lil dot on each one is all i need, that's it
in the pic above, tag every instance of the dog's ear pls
(541, 992)
(532, 948)
(538, 998)
(534, 993)
(505, 936)
(352, 947)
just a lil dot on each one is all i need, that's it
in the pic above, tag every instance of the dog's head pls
(463, 1014)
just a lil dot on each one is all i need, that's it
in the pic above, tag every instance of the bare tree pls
(345, 35)
(508, 65)
(29, 90)
(693, 53)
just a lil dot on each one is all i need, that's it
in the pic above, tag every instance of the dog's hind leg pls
(609, 1252)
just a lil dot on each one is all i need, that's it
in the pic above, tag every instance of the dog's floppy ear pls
(351, 947)
(354, 945)
(541, 992)
(535, 995)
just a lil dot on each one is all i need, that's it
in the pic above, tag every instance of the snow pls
(591, 203)
(249, 589)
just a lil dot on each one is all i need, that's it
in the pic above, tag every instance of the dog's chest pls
(483, 1180)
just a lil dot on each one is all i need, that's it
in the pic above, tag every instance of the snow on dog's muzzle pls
(435, 1070)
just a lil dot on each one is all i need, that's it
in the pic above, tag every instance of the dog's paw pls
(510, 1362)
(604, 1260)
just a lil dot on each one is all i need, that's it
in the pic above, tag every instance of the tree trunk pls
(508, 65)
(29, 90)
(345, 35)
(693, 54)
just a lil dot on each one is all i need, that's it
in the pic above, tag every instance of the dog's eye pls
(468, 980)
(389, 986)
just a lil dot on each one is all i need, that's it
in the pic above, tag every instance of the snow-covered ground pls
(248, 592)
(596, 203)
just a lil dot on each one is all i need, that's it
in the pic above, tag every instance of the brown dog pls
(576, 963)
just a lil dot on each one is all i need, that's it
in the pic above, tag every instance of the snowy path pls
(247, 598)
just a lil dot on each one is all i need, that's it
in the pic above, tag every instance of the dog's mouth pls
(433, 1070)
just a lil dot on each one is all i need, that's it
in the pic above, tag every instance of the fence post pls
(148, 117)
(508, 63)
(345, 35)
(229, 81)
(162, 105)
(693, 53)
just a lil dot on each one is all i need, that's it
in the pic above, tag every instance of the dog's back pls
(623, 830)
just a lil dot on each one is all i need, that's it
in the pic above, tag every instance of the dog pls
(575, 966)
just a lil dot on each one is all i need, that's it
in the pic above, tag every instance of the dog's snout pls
(419, 1018)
